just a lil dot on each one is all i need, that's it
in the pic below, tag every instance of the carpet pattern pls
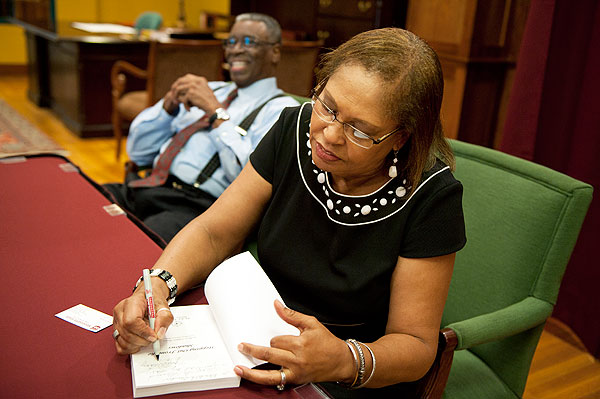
(19, 137)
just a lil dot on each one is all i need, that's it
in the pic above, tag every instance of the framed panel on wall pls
(40, 13)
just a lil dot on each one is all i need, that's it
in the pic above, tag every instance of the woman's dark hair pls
(412, 91)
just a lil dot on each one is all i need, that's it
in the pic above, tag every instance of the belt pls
(194, 190)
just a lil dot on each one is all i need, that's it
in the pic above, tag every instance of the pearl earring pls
(393, 171)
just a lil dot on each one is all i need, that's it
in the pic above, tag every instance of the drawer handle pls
(322, 34)
(363, 6)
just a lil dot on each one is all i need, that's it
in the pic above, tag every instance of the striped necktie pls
(160, 173)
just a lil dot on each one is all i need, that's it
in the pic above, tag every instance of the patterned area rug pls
(19, 137)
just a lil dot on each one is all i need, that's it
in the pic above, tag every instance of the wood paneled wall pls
(478, 44)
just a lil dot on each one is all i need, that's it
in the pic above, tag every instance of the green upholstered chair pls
(300, 99)
(522, 221)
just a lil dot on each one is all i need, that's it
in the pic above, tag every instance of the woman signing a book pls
(357, 218)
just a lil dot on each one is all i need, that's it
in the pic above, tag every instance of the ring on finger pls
(281, 385)
(116, 334)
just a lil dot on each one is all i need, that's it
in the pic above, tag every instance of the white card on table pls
(86, 317)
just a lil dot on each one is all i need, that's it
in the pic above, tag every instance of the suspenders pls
(242, 129)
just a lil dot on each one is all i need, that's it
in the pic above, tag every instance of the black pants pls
(165, 209)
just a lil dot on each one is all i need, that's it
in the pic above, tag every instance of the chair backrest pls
(522, 221)
(295, 72)
(148, 20)
(300, 99)
(171, 59)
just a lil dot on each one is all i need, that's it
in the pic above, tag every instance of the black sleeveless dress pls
(332, 255)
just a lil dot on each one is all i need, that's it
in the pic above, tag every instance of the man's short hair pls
(273, 27)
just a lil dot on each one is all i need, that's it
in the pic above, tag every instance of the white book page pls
(192, 350)
(241, 298)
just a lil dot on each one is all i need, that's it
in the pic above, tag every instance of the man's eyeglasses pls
(245, 41)
(359, 138)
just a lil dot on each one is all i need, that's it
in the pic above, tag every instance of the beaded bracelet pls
(374, 362)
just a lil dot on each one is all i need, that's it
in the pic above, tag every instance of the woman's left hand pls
(315, 355)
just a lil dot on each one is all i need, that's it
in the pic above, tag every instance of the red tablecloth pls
(59, 248)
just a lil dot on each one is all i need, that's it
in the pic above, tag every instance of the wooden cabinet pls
(71, 76)
(477, 42)
(330, 21)
(338, 20)
(333, 21)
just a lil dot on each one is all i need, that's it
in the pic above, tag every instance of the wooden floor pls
(96, 157)
(559, 370)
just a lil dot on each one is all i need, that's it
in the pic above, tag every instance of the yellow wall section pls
(123, 11)
(78, 10)
(126, 12)
(12, 38)
(12, 45)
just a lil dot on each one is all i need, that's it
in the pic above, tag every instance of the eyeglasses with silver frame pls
(353, 134)
(245, 41)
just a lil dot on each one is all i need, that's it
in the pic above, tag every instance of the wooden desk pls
(59, 248)
(69, 72)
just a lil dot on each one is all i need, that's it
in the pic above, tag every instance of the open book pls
(199, 350)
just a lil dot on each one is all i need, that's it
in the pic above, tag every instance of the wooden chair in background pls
(295, 72)
(167, 60)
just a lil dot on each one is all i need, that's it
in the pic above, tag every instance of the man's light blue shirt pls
(152, 130)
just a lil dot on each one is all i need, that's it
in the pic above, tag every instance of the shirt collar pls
(259, 88)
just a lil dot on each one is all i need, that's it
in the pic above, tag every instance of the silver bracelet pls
(372, 369)
(361, 358)
(353, 351)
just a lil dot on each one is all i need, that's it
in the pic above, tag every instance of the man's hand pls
(191, 90)
(170, 103)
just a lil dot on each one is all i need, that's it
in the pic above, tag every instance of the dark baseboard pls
(13, 69)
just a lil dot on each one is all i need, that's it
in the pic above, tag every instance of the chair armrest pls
(432, 385)
(504, 322)
(124, 66)
(118, 78)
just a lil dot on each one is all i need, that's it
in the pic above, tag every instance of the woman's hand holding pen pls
(316, 355)
(131, 322)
